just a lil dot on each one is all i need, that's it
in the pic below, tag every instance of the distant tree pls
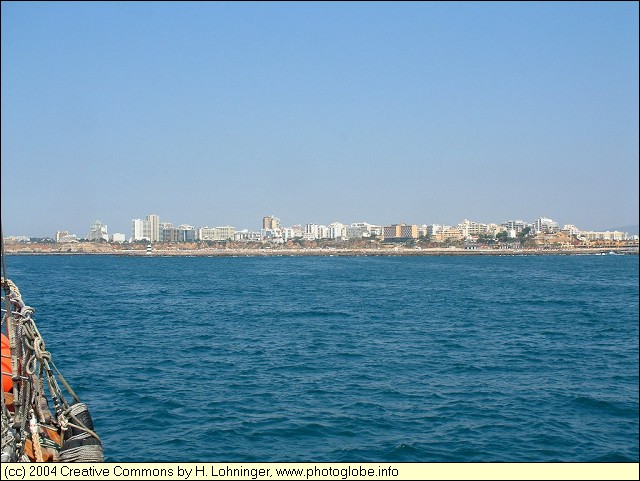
(502, 236)
(453, 242)
(486, 239)
(522, 235)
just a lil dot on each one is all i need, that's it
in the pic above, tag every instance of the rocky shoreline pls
(163, 251)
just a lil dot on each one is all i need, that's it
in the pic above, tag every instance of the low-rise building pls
(470, 228)
(399, 232)
(245, 235)
(223, 233)
(544, 225)
(606, 235)
(117, 237)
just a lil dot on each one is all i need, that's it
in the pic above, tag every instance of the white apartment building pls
(289, 233)
(570, 229)
(337, 230)
(117, 237)
(545, 225)
(606, 235)
(372, 229)
(154, 227)
(469, 228)
(226, 232)
(139, 228)
(246, 235)
(433, 229)
(357, 232)
(311, 232)
(367, 229)
(98, 232)
(515, 225)
(147, 229)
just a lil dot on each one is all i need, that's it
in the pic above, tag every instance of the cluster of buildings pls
(151, 229)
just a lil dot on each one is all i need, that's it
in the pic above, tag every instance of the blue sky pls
(222, 113)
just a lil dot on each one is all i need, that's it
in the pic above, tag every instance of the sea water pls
(378, 359)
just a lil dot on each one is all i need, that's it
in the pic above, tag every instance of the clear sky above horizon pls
(215, 114)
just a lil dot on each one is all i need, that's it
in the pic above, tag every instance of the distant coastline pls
(174, 251)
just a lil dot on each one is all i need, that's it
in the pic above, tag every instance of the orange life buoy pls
(7, 383)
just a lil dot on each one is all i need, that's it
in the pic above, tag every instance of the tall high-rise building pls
(139, 229)
(154, 227)
(270, 223)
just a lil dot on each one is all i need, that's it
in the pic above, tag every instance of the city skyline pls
(155, 223)
(255, 226)
(386, 112)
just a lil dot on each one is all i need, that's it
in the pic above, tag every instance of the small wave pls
(315, 313)
(404, 452)
(611, 407)
(614, 457)
(283, 360)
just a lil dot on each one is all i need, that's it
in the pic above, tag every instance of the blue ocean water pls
(279, 359)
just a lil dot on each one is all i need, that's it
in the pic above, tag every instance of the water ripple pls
(434, 359)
